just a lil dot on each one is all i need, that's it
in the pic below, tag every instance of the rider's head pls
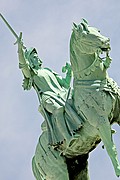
(33, 59)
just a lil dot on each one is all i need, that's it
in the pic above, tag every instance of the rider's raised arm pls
(23, 62)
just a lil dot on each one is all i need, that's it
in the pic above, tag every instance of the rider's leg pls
(50, 104)
(57, 111)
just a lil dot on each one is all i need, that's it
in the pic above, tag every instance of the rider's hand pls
(67, 67)
(20, 42)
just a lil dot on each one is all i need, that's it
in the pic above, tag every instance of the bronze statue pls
(76, 118)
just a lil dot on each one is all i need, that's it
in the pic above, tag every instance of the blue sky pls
(46, 25)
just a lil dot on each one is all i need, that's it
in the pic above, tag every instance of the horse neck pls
(88, 67)
(86, 60)
(80, 61)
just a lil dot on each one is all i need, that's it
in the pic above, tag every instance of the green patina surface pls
(76, 118)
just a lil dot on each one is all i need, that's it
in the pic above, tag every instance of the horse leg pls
(106, 136)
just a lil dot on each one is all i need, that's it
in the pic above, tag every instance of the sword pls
(12, 30)
(9, 27)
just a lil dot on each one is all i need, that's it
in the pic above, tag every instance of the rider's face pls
(35, 60)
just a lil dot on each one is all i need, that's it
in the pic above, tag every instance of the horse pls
(95, 98)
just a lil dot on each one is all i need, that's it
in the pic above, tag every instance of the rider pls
(52, 91)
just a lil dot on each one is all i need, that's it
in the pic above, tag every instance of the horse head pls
(86, 43)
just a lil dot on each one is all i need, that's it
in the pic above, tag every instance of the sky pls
(47, 26)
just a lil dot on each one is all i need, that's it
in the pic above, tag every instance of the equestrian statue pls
(76, 117)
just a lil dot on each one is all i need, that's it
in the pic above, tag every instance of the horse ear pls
(78, 27)
(85, 21)
(85, 25)
(75, 25)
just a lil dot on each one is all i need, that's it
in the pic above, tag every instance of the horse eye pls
(99, 31)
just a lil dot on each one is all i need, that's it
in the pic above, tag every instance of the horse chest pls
(92, 103)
